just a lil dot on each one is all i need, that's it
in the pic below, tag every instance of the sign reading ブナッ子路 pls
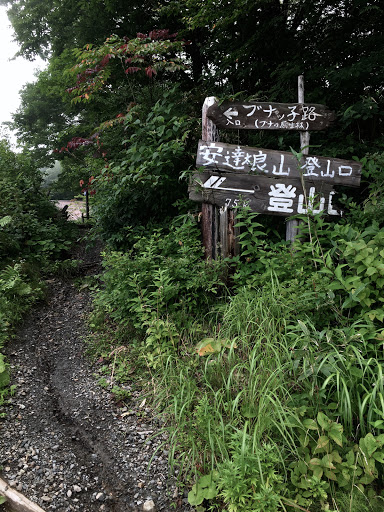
(270, 116)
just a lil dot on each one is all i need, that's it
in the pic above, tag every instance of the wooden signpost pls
(282, 164)
(270, 182)
(264, 195)
(270, 116)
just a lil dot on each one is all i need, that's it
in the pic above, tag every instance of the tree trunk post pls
(87, 204)
(292, 226)
(209, 214)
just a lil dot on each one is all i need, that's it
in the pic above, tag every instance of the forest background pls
(268, 365)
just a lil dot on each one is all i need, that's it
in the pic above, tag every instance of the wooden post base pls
(16, 502)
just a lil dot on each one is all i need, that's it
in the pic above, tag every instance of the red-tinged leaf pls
(105, 60)
(132, 69)
(150, 71)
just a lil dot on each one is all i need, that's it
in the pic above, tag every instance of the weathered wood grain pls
(209, 226)
(270, 116)
(264, 194)
(248, 160)
(16, 502)
(292, 225)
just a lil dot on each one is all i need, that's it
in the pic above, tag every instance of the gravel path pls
(64, 442)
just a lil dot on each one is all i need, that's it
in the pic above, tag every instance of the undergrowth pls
(267, 368)
(34, 243)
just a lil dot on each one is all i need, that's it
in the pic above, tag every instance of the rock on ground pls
(64, 443)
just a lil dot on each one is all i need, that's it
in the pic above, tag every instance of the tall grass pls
(245, 405)
(243, 388)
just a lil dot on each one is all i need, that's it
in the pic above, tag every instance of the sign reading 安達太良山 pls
(263, 194)
(271, 116)
(277, 164)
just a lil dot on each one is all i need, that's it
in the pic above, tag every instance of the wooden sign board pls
(263, 194)
(270, 116)
(277, 164)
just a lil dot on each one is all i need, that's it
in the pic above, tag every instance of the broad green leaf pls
(304, 440)
(377, 423)
(336, 457)
(350, 458)
(302, 467)
(310, 424)
(338, 273)
(208, 346)
(346, 474)
(324, 421)
(322, 443)
(368, 444)
(326, 462)
(341, 480)
(379, 456)
(330, 474)
(366, 479)
(195, 496)
(336, 433)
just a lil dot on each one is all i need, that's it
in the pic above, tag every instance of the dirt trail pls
(64, 443)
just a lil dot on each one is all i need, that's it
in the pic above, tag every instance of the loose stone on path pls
(64, 441)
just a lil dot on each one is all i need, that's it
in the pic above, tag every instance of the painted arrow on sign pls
(216, 181)
(263, 194)
(231, 112)
(270, 116)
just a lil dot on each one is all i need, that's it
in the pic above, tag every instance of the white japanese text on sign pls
(273, 163)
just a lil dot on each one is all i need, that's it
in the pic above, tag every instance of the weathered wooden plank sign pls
(263, 194)
(271, 116)
(282, 164)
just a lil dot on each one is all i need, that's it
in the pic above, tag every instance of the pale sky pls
(14, 73)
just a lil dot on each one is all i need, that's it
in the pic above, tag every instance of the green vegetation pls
(32, 237)
(266, 367)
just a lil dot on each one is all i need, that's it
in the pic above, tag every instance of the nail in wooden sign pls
(271, 116)
(248, 160)
(263, 194)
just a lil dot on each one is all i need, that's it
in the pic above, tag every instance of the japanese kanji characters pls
(278, 164)
(310, 166)
(310, 204)
(281, 198)
(273, 117)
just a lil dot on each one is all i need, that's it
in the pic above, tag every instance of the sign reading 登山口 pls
(263, 194)
(271, 116)
(248, 160)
